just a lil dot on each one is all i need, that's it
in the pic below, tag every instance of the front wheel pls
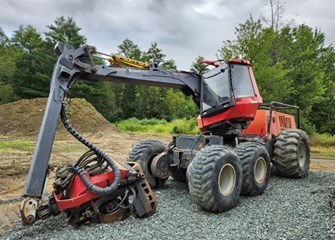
(143, 153)
(215, 178)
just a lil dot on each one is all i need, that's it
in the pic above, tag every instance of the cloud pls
(183, 29)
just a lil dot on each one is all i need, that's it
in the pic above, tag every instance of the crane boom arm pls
(79, 63)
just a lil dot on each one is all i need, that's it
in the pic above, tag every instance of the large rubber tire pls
(215, 178)
(143, 153)
(292, 153)
(179, 175)
(256, 165)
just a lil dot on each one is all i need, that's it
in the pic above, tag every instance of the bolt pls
(30, 219)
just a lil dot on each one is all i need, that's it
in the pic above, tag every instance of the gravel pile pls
(289, 209)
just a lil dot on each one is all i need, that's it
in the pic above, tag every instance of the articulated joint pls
(28, 210)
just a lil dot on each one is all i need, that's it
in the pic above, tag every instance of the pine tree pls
(197, 67)
(65, 30)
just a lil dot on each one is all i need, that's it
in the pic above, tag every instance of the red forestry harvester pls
(240, 139)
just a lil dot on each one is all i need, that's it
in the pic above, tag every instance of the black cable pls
(80, 171)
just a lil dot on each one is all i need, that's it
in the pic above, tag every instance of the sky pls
(183, 29)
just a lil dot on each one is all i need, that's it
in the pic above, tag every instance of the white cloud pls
(183, 29)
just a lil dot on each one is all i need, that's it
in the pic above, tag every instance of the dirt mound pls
(24, 117)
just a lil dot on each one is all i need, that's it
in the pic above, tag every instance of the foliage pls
(14, 145)
(3, 38)
(8, 57)
(34, 59)
(32, 76)
(323, 144)
(291, 65)
(197, 67)
(153, 125)
(148, 102)
(66, 31)
(129, 49)
(154, 54)
(6, 93)
(323, 140)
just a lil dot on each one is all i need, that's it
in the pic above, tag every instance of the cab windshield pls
(216, 89)
(220, 83)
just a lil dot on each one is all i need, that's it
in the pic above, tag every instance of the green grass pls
(178, 126)
(14, 145)
(323, 144)
(322, 140)
(325, 152)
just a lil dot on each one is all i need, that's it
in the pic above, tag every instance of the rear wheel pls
(215, 178)
(255, 161)
(143, 153)
(292, 153)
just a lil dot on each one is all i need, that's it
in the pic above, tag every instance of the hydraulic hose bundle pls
(79, 170)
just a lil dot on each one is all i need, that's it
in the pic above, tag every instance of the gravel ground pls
(289, 209)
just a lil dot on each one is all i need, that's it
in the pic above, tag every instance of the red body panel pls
(280, 121)
(244, 109)
(79, 194)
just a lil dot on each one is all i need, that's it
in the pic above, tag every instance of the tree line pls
(27, 61)
(292, 64)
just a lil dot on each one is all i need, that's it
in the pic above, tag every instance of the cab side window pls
(241, 81)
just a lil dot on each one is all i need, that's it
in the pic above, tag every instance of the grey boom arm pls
(69, 67)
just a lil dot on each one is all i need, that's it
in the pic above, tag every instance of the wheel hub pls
(227, 179)
(260, 170)
(302, 154)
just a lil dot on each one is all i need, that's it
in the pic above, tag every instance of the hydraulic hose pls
(80, 171)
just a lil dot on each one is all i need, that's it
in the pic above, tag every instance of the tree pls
(34, 66)
(323, 113)
(129, 49)
(301, 50)
(246, 45)
(154, 54)
(277, 11)
(144, 101)
(66, 31)
(254, 43)
(3, 38)
(169, 65)
(126, 95)
(99, 94)
(289, 65)
(8, 57)
(197, 67)
(27, 38)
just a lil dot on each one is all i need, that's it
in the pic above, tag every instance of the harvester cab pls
(232, 155)
(229, 98)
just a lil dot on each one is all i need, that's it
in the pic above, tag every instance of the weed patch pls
(322, 140)
(13, 145)
(178, 126)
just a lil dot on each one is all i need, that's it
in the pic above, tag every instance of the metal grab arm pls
(79, 63)
(71, 65)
